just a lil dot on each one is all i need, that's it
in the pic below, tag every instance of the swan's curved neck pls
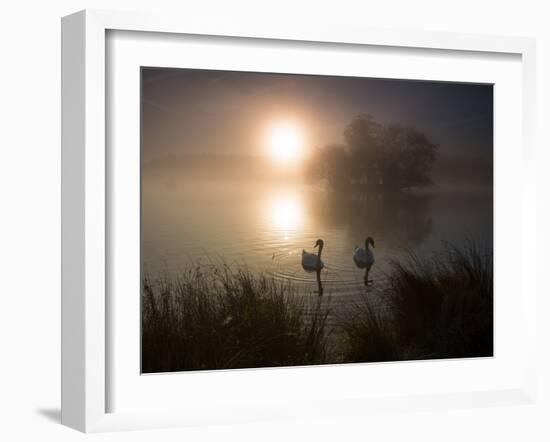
(367, 245)
(320, 250)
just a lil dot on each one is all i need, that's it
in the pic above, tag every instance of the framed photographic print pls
(262, 223)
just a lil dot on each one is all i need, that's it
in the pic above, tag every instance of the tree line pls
(376, 158)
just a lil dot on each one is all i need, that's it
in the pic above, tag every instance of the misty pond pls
(264, 225)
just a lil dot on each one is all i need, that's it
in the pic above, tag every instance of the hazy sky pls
(194, 111)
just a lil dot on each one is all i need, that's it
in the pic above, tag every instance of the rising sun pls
(285, 142)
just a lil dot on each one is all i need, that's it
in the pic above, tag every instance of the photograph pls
(298, 220)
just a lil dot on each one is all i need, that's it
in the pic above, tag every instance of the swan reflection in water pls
(312, 262)
(285, 213)
(364, 258)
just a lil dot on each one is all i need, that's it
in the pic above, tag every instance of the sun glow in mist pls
(285, 143)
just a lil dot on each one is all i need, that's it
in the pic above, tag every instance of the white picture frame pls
(86, 352)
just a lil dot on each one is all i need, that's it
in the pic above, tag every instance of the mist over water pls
(249, 168)
(263, 224)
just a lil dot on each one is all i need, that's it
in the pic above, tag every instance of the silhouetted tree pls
(332, 165)
(377, 158)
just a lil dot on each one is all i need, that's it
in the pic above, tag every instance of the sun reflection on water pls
(285, 212)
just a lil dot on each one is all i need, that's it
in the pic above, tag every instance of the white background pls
(30, 217)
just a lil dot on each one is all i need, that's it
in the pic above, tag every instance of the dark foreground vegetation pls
(219, 318)
(439, 308)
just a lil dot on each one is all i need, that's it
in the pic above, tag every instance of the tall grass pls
(367, 335)
(439, 308)
(217, 318)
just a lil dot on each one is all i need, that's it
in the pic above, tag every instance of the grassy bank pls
(216, 317)
(219, 318)
(439, 308)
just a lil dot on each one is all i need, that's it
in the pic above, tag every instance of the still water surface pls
(265, 226)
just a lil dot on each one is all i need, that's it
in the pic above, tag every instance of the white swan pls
(312, 262)
(364, 257)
